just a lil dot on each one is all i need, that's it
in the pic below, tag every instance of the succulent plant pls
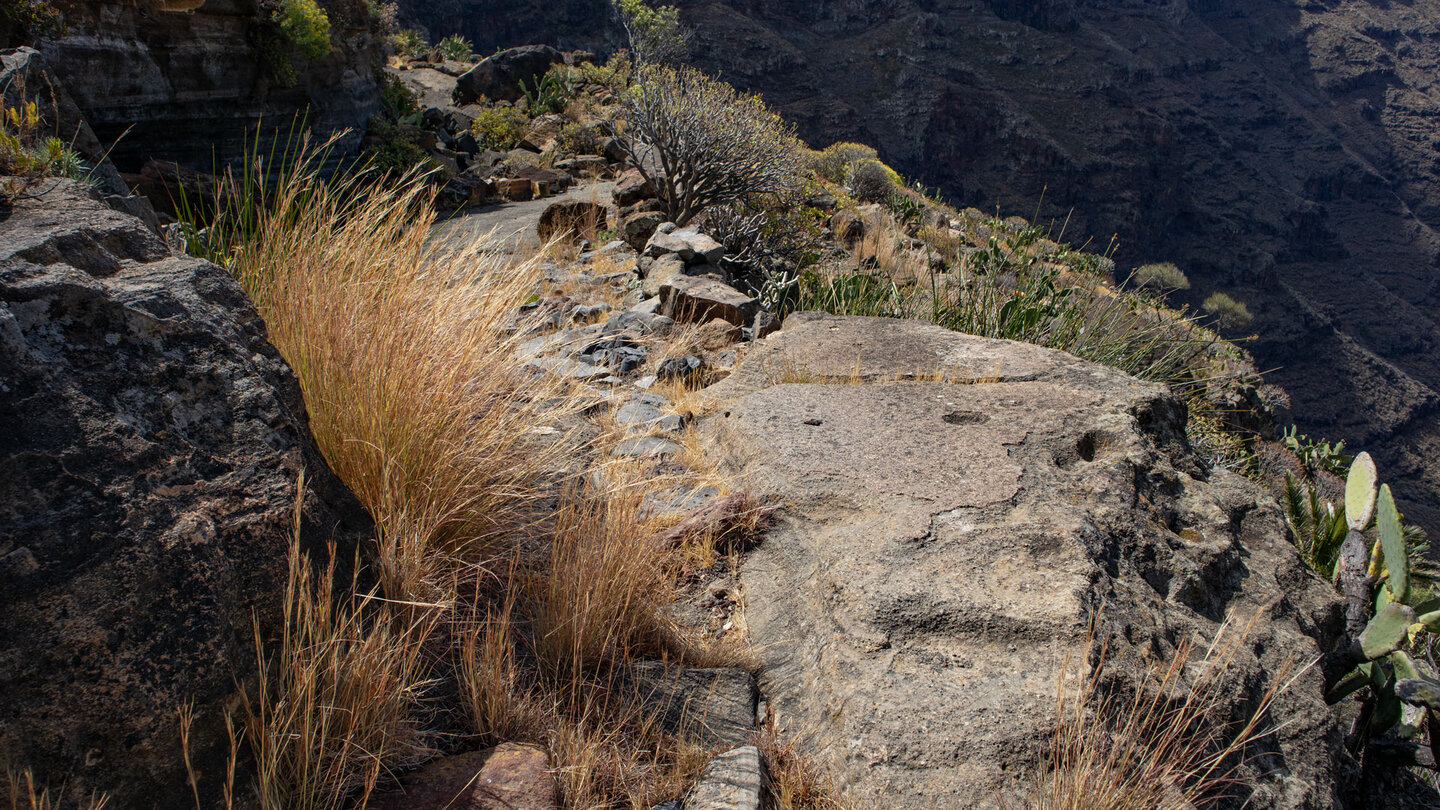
(1391, 607)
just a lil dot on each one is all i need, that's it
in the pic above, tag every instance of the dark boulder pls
(500, 77)
(571, 219)
(151, 447)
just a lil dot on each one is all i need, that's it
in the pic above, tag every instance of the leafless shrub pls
(701, 143)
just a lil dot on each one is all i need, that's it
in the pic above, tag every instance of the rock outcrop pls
(148, 464)
(191, 85)
(955, 510)
(506, 75)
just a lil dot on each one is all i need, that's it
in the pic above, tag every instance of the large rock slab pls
(505, 75)
(149, 453)
(710, 705)
(955, 509)
(700, 299)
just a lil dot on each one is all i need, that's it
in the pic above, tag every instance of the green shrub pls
(719, 145)
(306, 25)
(456, 48)
(397, 101)
(398, 150)
(409, 44)
(871, 181)
(499, 128)
(614, 74)
(579, 139)
(1228, 312)
(834, 161)
(385, 14)
(1163, 277)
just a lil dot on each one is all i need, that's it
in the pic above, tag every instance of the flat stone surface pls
(506, 777)
(650, 446)
(565, 367)
(636, 413)
(735, 780)
(941, 545)
(698, 299)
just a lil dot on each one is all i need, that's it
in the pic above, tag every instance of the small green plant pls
(1390, 593)
(1161, 278)
(871, 181)
(1317, 456)
(26, 155)
(499, 128)
(397, 101)
(1316, 526)
(456, 48)
(1228, 312)
(306, 25)
(396, 148)
(551, 93)
(655, 35)
(579, 139)
(409, 44)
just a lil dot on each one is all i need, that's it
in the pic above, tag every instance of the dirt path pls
(513, 224)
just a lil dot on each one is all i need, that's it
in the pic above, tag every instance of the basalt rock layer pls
(954, 511)
(192, 85)
(149, 459)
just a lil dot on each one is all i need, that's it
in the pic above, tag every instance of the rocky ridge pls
(1280, 150)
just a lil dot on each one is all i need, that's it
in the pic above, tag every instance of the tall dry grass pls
(335, 708)
(404, 350)
(25, 794)
(1166, 745)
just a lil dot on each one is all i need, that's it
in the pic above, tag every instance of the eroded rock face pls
(191, 85)
(149, 453)
(942, 546)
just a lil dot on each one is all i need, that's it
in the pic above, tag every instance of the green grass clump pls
(26, 155)
(1163, 277)
(456, 48)
(409, 44)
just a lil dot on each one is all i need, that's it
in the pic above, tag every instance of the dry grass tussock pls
(1165, 746)
(405, 351)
